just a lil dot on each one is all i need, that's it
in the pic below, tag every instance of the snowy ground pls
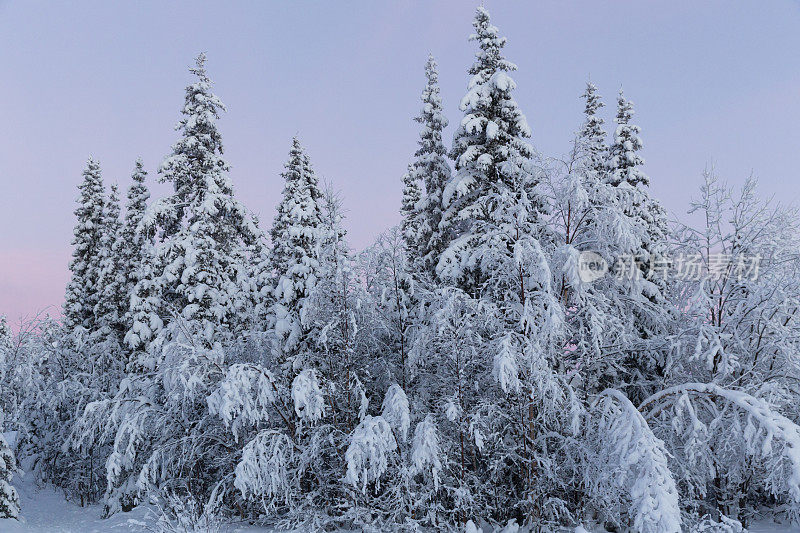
(45, 510)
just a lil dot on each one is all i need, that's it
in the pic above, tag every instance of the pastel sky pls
(712, 81)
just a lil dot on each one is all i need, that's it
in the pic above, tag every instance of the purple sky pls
(712, 81)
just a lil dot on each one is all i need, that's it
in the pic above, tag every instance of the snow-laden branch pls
(368, 454)
(772, 425)
(637, 459)
(264, 471)
(243, 397)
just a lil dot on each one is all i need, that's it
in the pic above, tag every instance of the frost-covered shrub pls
(182, 513)
(369, 453)
(309, 404)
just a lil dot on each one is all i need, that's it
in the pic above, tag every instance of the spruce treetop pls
(592, 134)
(624, 160)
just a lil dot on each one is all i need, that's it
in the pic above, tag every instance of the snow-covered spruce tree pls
(592, 135)
(587, 219)
(411, 218)
(132, 249)
(202, 227)
(430, 167)
(502, 399)
(492, 200)
(295, 428)
(186, 310)
(648, 217)
(82, 291)
(112, 305)
(135, 240)
(643, 239)
(296, 238)
(82, 366)
(122, 249)
(9, 500)
(262, 282)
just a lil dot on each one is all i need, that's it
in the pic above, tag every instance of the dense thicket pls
(534, 345)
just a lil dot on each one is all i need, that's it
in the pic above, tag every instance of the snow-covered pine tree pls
(187, 308)
(495, 212)
(83, 292)
(588, 220)
(296, 235)
(584, 195)
(624, 162)
(133, 246)
(430, 167)
(492, 201)
(262, 280)
(203, 230)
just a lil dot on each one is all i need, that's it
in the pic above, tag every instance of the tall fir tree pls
(410, 225)
(642, 249)
(9, 499)
(647, 217)
(296, 239)
(592, 135)
(6, 337)
(112, 304)
(135, 239)
(492, 201)
(586, 190)
(624, 161)
(82, 291)
(431, 168)
(203, 229)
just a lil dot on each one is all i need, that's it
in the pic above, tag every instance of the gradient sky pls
(715, 81)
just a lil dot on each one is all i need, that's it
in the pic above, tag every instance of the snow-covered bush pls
(369, 453)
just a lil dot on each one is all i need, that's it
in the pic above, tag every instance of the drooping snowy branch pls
(764, 428)
(369, 451)
(636, 460)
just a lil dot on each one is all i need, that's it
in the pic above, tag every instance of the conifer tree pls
(83, 291)
(647, 216)
(412, 219)
(6, 338)
(624, 162)
(203, 230)
(592, 135)
(585, 190)
(112, 304)
(134, 241)
(641, 245)
(492, 201)
(9, 500)
(296, 239)
(432, 169)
